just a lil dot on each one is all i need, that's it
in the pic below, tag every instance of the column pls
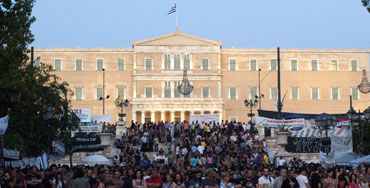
(182, 115)
(133, 117)
(142, 116)
(220, 116)
(134, 93)
(162, 116)
(172, 116)
(219, 89)
(152, 118)
(201, 112)
(172, 85)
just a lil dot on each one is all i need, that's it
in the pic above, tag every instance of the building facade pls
(312, 80)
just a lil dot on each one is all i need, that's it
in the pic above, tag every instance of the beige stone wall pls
(219, 79)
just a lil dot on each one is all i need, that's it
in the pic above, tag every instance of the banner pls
(341, 141)
(206, 118)
(83, 113)
(58, 147)
(101, 118)
(3, 124)
(11, 154)
(327, 161)
(275, 123)
(305, 145)
(86, 143)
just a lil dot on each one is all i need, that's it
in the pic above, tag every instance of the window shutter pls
(186, 62)
(273, 64)
(167, 92)
(354, 65)
(334, 65)
(99, 93)
(148, 64)
(57, 64)
(78, 64)
(232, 64)
(121, 91)
(121, 64)
(315, 94)
(253, 93)
(177, 62)
(205, 64)
(274, 93)
(206, 92)
(355, 94)
(253, 64)
(294, 93)
(294, 65)
(335, 94)
(233, 93)
(314, 65)
(78, 93)
(148, 92)
(99, 64)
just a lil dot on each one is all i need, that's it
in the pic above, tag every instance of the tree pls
(40, 89)
(366, 3)
(361, 136)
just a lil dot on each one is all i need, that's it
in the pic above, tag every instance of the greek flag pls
(172, 10)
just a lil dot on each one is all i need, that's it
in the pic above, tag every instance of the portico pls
(156, 110)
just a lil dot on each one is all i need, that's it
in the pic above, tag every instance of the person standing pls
(315, 178)
(302, 179)
(330, 182)
(290, 181)
(33, 180)
(79, 180)
(278, 181)
(265, 181)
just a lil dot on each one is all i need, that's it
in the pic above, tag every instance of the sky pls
(339, 24)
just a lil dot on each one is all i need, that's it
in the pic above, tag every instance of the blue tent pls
(345, 158)
(357, 162)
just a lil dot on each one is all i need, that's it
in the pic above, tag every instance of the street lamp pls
(324, 123)
(251, 103)
(49, 114)
(103, 98)
(123, 103)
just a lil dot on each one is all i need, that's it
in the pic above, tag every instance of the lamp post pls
(104, 97)
(260, 96)
(324, 123)
(123, 103)
(251, 103)
(49, 113)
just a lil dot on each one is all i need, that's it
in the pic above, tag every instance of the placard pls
(275, 123)
(86, 143)
(206, 118)
(83, 113)
(305, 145)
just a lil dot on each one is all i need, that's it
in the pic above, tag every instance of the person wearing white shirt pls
(302, 179)
(281, 161)
(200, 149)
(265, 181)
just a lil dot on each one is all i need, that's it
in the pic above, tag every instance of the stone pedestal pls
(282, 138)
(120, 129)
(106, 139)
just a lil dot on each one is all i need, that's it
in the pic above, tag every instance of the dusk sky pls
(342, 24)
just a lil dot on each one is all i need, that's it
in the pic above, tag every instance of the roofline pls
(58, 49)
(176, 32)
(294, 50)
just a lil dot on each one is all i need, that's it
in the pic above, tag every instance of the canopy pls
(96, 159)
(357, 162)
(345, 158)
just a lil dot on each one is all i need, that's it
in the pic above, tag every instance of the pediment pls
(176, 39)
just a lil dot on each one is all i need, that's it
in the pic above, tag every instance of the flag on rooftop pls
(172, 10)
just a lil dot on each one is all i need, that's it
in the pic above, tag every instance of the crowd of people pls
(183, 155)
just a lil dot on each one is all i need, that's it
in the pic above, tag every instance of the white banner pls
(341, 141)
(11, 154)
(3, 124)
(206, 118)
(59, 146)
(83, 113)
(101, 118)
(267, 122)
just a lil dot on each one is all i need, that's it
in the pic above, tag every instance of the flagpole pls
(176, 15)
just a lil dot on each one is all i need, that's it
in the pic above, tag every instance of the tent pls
(357, 162)
(96, 159)
(345, 158)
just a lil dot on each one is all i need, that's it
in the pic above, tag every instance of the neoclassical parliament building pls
(148, 73)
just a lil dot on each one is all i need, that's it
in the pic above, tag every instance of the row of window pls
(177, 64)
(294, 93)
(172, 92)
(253, 66)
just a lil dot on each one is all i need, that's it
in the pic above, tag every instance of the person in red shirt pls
(154, 181)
